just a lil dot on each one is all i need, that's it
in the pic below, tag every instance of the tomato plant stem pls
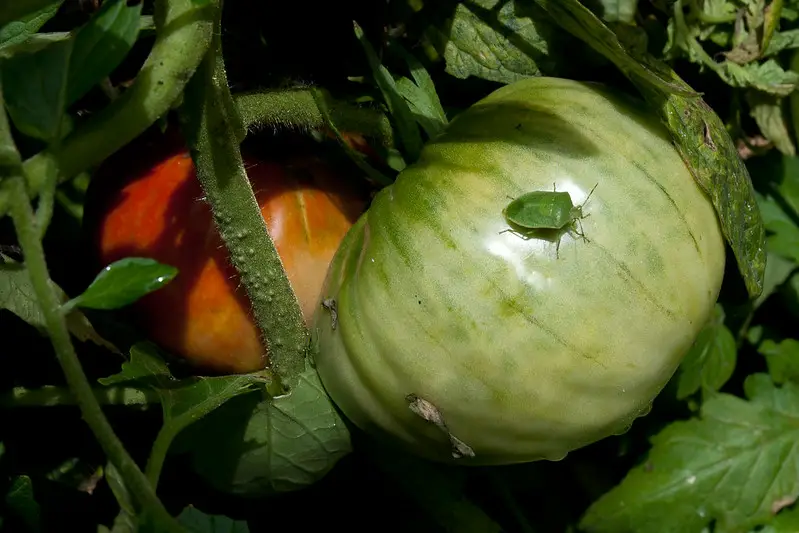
(183, 35)
(212, 136)
(297, 109)
(51, 396)
(155, 462)
(28, 235)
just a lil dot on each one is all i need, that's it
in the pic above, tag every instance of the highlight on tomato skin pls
(146, 201)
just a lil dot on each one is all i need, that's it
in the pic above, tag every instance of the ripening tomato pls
(148, 203)
(465, 341)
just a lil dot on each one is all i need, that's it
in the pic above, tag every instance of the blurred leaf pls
(18, 31)
(422, 96)
(101, 45)
(400, 112)
(619, 10)
(21, 501)
(782, 359)
(711, 360)
(731, 466)
(785, 40)
(34, 43)
(76, 474)
(183, 401)
(255, 447)
(17, 296)
(768, 77)
(34, 85)
(768, 114)
(123, 282)
(498, 40)
(198, 522)
(783, 237)
(422, 108)
(786, 521)
(777, 271)
(11, 10)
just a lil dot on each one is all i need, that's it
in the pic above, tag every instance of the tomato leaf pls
(778, 269)
(785, 522)
(782, 359)
(17, 296)
(768, 114)
(21, 9)
(785, 40)
(17, 32)
(421, 95)
(35, 90)
(101, 45)
(783, 237)
(697, 132)
(196, 521)
(21, 501)
(408, 131)
(731, 466)
(498, 41)
(711, 360)
(255, 446)
(123, 282)
(183, 401)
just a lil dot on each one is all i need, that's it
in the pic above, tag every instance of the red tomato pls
(157, 211)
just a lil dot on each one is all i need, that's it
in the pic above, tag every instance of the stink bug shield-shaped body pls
(542, 210)
(545, 210)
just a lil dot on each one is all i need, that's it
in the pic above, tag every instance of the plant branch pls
(211, 134)
(183, 35)
(27, 234)
(297, 109)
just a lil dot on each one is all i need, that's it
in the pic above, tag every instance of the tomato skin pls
(527, 355)
(152, 206)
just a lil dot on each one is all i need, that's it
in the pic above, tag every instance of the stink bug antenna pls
(590, 193)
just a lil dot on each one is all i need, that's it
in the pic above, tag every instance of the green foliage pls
(123, 282)
(732, 465)
(260, 446)
(710, 362)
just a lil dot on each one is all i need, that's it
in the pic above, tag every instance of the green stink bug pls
(543, 212)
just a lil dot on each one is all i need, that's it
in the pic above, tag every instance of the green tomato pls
(458, 340)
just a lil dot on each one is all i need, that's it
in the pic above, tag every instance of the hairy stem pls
(212, 136)
(183, 35)
(297, 109)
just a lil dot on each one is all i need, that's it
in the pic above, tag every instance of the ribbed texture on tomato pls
(527, 355)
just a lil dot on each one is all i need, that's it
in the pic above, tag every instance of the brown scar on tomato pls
(430, 413)
(330, 305)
